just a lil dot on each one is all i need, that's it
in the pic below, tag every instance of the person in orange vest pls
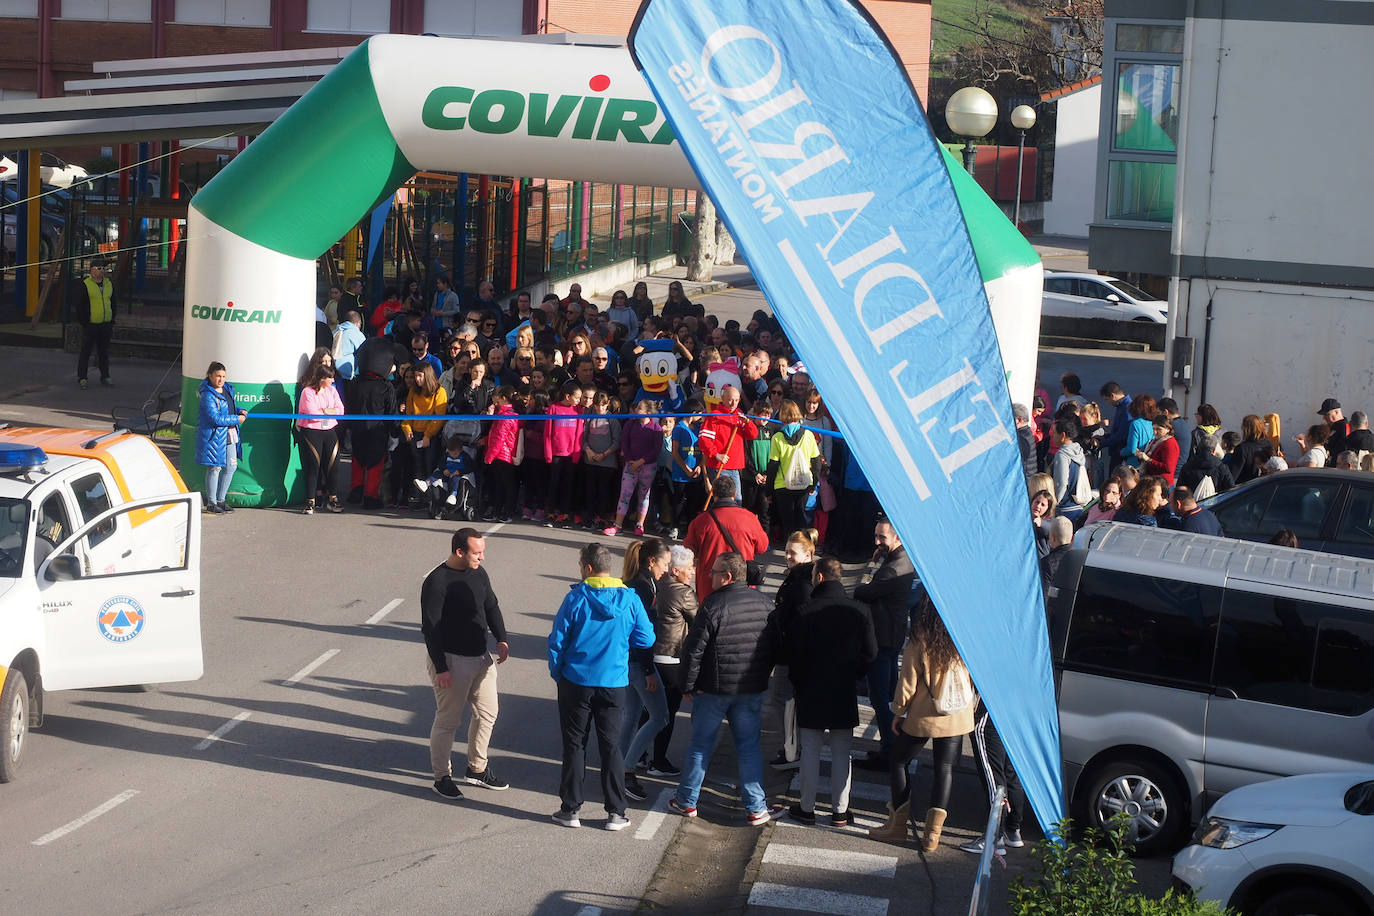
(94, 306)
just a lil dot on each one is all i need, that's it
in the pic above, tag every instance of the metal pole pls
(978, 903)
(970, 156)
(1020, 152)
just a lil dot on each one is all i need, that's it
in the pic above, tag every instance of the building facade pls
(1219, 168)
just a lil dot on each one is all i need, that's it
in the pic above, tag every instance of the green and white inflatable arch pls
(399, 104)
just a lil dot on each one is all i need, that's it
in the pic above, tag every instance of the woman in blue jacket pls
(218, 447)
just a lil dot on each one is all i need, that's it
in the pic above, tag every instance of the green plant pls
(1093, 877)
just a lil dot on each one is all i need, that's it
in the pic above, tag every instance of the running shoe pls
(566, 818)
(975, 846)
(83, 383)
(1013, 839)
(225, 508)
(610, 531)
(486, 779)
(639, 531)
(422, 485)
(663, 768)
(678, 807)
(759, 818)
(633, 790)
(617, 822)
(447, 788)
(105, 382)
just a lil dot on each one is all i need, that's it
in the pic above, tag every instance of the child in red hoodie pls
(562, 449)
(502, 444)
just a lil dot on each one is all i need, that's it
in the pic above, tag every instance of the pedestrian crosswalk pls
(808, 879)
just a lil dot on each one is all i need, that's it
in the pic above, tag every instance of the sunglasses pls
(776, 391)
(601, 359)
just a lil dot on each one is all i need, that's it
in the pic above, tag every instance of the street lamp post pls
(971, 113)
(1023, 119)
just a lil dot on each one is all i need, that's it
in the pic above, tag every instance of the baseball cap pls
(1329, 405)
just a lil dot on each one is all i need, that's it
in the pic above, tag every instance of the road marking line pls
(860, 824)
(812, 900)
(86, 818)
(854, 863)
(492, 530)
(386, 609)
(308, 669)
(653, 818)
(223, 730)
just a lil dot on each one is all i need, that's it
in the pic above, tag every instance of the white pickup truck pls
(99, 571)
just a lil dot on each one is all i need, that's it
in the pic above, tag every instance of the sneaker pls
(488, 516)
(799, 814)
(975, 846)
(561, 520)
(447, 788)
(105, 382)
(225, 508)
(83, 383)
(672, 534)
(840, 819)
(422, 485)
(678, 807)
(759, 818)
(309, 507)
(639, 531)
(333, 504)
(663, 768)
(213, 508)
(780, 762)
(617, 822)
(453, 501)
(503, 518)
(633, 790)
(486, 779)
(547, 522)
(1013, 839)
(566, 818)
(610, 531)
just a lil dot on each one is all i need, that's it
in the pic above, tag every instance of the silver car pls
(1188, 666)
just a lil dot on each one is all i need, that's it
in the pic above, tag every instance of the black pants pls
(791, 508)
(904, 749)
(755, 496)
(319, 450)
(688, 498)
(673, 695)
(502, 488)
(97, 337)
(560, 484)
(534, 475)
(995, 769)
(603, 489)
(580, 708)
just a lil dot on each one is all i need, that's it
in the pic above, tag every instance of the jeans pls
(744, 712)
(579, 709)
(733, 474)
(882, 681)
(217, 479)
(634, 738)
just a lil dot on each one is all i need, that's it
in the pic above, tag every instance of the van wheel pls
(1147, 794)
(1308, 899)
(14, 723)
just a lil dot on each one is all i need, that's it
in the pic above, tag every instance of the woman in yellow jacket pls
(422, 438)
(931, 669)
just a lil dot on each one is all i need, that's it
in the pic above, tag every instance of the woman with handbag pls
(933, 702)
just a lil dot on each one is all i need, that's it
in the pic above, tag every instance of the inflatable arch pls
(402, 103)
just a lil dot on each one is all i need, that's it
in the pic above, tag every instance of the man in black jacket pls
(887, 592)
(1206, 462)
(829, 645)
(728, 658)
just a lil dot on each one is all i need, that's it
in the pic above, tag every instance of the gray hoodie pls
(1070, 453)
(601, 434)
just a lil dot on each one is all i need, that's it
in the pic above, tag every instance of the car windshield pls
(1130, 291)
(14, 521)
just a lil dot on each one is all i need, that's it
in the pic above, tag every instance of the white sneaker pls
(422, 485)
(976, 846)
(452, 499)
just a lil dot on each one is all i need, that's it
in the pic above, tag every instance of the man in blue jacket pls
(1115, 439)
(589, 657)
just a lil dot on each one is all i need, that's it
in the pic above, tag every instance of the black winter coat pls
(729, 650)
(794, 592)
(888, 598)
(830, 645)
(372, 394)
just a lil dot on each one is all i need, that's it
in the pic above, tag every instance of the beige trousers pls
(474, 682)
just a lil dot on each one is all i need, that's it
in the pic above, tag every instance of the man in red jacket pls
(711, 533)
(722, 438)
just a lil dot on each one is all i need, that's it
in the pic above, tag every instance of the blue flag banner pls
(807, 135)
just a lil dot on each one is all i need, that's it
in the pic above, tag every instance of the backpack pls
(956, 692)
(797, 476)
(1205, 487)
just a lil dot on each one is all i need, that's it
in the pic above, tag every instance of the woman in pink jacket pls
(317, 438)
(562, 449)
(502, 443)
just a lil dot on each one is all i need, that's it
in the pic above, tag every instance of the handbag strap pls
(725, 534)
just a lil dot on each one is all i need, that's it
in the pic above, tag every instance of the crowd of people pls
(1137, 460)
(561, 414)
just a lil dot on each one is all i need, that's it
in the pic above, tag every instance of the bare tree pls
(701, 263)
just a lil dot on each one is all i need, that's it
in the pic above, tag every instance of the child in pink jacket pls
(502, 443)
(562, 449)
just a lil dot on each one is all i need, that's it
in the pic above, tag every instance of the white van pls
(1188, 666)
(99, 571)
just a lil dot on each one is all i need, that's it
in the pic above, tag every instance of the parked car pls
(1328, 509)
(1071, 295)
(52, 169)
(1188, 666)
(1301, 845)
(55, 204)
